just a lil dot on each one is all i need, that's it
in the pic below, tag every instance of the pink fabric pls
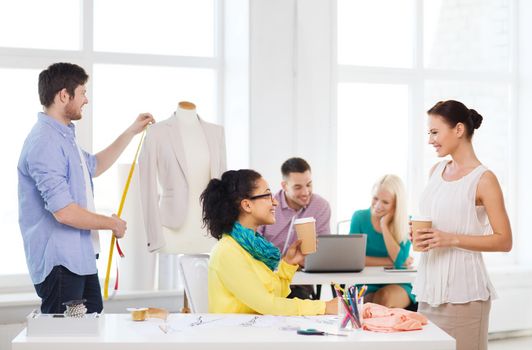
(378, 318)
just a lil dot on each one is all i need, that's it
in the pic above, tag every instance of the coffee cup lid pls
(131, 309)
(420, 218)
(304, 220)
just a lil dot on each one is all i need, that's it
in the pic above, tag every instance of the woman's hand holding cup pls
(293, 255)
(418, 225)
(430, 238)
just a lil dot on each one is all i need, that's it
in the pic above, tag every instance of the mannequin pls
(180, 155)
(191, 238)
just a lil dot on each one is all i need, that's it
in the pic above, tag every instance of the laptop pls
(338, 253)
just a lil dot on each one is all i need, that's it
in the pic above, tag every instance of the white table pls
(370, 275)
(234, 332)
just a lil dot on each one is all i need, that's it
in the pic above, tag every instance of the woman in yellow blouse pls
(246, 272)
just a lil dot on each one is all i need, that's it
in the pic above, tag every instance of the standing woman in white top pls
(466, 205)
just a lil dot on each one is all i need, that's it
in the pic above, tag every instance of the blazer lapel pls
(174, 135)
(211, 143)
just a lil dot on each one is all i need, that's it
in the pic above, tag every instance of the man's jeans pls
(61, 286)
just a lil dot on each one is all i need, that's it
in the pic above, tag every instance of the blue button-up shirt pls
(50, 177)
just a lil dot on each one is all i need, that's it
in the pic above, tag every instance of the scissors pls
(312, 331)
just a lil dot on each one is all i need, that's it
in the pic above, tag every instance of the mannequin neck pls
(188, 116)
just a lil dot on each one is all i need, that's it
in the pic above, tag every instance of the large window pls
(161, 53)
(365, 140)
(369, 36)
(51, 25)
(394, 65)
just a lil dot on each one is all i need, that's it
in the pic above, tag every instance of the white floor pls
(511, 344)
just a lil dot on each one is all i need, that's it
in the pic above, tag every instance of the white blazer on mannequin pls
(162, 175)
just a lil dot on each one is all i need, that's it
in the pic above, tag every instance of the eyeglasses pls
(262, 196)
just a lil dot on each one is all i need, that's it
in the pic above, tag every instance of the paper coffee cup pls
(306, 232)
(419, 222)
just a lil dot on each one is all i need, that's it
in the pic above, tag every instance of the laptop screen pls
(338, 253)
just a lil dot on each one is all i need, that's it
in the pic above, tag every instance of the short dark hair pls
(294, 165)
(57, 77)
(221, 199)
(454, 112)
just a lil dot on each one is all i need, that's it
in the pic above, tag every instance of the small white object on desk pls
(57, 325)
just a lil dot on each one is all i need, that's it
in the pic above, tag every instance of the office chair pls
(341, 224)
(194, 269)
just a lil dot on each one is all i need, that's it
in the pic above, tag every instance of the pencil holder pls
(360, 309)
(350, 314)
(347, 317)
(344, 323)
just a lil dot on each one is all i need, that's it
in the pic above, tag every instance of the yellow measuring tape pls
(119, 214)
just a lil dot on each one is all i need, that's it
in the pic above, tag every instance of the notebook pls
(338, 253)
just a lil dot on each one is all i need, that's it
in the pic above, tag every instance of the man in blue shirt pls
(56, 205)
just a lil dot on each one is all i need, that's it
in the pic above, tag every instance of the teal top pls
(375, 246)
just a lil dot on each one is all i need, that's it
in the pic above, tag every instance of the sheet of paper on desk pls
(186, 322)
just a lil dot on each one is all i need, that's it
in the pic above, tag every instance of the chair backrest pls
(194, 269)
(343, 224)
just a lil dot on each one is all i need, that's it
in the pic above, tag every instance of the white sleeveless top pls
(453, 275)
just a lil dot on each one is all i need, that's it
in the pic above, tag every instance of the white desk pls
(234, 332)
(370, 275)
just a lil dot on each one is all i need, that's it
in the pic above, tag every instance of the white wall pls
(235, 90)
(524, 127)
(271, 86)
(290, 71)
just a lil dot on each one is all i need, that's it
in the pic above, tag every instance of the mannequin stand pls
(185, 309)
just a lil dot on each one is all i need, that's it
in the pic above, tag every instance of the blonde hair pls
(393, 184)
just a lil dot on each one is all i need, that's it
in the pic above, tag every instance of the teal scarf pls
(256, 245)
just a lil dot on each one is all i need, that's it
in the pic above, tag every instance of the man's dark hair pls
(57, 77)
(294, 165)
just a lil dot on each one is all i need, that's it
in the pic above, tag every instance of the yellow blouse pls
(239, 283)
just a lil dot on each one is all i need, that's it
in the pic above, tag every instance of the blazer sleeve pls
(240, 279)
(223, 156)
(149, 195)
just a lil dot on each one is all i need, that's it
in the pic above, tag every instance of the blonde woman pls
(386, 225)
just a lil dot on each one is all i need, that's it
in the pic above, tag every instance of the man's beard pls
(71, 112)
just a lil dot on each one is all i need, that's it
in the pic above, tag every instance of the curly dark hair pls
(221, 199)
